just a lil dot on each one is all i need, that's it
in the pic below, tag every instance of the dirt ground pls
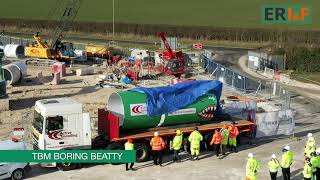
(84, 89)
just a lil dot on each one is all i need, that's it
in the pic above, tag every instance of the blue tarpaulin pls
(167, 99)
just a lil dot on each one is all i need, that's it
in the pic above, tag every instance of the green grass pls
(223, 13)
(307, 77)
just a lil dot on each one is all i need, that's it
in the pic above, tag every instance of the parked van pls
(15, 171)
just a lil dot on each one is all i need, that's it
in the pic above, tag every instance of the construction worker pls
(310, 146)
(274, 166)
(176, 145)
(158, 146)
(286, 161)
(314, 163)
(317, 174)
(216, 141)
(195, 138)
(129, 146)
(252, 167)
(225, 138)
(307, 169)
(233, 133)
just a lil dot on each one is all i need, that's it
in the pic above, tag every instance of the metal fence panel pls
(244, 84)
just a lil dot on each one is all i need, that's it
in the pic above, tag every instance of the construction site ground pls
(84, 89)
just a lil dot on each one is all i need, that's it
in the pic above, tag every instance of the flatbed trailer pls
(108, 127)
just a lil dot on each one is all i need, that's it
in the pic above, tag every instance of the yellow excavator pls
(56, 49)
(40, 49)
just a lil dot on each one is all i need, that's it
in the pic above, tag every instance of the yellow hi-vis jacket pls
(128, 146)
(307, 170)
(195, 138)
(225, 136)
(251, 168)
(287, 159)
(314, 163)
(274, 165)
(177, 142)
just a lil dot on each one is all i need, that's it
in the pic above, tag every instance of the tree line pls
(300, 46)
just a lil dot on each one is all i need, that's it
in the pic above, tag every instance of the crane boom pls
(65, 22)
(166, 44)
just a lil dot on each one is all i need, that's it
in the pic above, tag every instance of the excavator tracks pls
(40, 62)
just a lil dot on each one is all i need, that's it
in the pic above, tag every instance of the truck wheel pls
(142, 151)
(17, 174)
(100, 142)
(115, 146)
(67, 166)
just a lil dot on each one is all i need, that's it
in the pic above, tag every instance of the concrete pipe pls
(11, 73)
(13, 51)
(22, 67)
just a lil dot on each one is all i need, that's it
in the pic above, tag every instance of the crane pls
(56, 49)
(174, 60)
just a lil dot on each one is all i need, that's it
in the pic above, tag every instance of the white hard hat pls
(250, 155)
(156, 134)
(287, 147)
(309, 135)
(273, 156)
(318, 150)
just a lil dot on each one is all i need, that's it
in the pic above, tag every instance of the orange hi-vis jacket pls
(157, 143)
(234, 132)
(216, 138)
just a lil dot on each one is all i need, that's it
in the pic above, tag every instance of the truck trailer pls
(60, 123)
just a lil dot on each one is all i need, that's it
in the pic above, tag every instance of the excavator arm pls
(65, 21)
(39, 43)
(166, 44)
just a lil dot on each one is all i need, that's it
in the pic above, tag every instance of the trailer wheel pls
(17, 174)
(207, 139)
(142, 151)
(115, 146)
(67, 166)
(186, 145)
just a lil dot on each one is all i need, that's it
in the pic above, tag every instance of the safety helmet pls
(273, 156)
(130, 140)
(287, 148)
(318, 150)
(156, 134)
(309, 135)
(178, 132)
(250, 155)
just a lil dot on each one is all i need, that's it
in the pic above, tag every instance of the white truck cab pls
(60, 124)
(13, 170)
